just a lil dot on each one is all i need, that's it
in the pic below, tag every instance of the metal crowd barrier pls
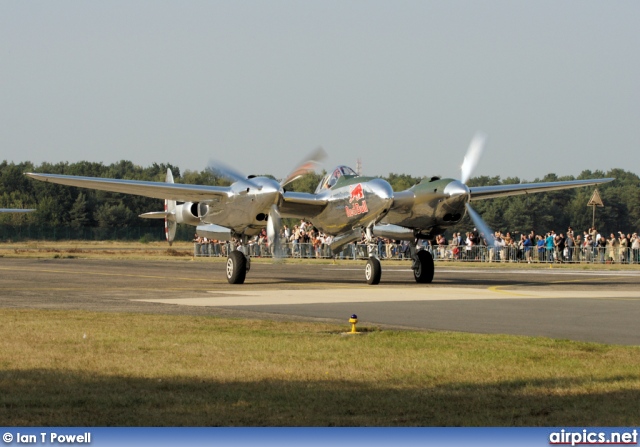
(477, 253)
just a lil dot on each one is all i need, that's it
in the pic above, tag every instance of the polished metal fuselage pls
(353, 202)
(429, 207)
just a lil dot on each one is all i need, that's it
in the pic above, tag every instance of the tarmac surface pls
(583, 305)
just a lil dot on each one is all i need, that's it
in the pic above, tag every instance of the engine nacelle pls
(395, 232)
(187, 213)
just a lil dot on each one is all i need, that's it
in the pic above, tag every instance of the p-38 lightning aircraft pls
(344, 205)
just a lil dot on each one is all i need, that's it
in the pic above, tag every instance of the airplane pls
(344, 205)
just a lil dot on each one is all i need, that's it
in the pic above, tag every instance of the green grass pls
(102, 369)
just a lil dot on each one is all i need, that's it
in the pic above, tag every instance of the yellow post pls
(353, 320)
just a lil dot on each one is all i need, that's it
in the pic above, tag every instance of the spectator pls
(601, 248)
(578, 248)
(550, 245)
(527, 243)
(623, 245)
(559, 245)
(635, 248)
(570, 244)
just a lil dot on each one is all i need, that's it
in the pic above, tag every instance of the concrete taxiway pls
(600, 306)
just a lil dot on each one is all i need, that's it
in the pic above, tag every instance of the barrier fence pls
(477, 253)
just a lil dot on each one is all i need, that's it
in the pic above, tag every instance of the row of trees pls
(61, 206)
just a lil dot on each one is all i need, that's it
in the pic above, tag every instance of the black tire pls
(236, 267)
(424, 269)
(373, 271)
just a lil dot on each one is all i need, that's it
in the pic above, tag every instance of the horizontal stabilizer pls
(156, 215)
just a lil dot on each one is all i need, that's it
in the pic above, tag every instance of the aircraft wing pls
(157, 190)
(15, 210)
(301, 204)
(490, 192)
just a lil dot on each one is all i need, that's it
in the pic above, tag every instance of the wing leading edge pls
(297, 204)
(490, 192)
(156, 190)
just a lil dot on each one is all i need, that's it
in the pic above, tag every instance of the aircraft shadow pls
(44, 397)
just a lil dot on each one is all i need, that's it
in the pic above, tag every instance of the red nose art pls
(356, 193)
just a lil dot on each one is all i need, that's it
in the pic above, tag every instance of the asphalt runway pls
(598, 306)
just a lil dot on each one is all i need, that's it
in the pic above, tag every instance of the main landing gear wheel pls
(423, 271)
(236, 267)
(373, 271)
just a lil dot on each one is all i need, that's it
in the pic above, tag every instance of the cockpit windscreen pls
(332, 177)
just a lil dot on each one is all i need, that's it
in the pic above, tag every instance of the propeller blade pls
(222, 170)
(310, 164)
(481, 225)
(473, 156)
(274, 225)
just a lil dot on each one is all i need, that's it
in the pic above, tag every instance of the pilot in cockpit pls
(334, 178)
(331, 179)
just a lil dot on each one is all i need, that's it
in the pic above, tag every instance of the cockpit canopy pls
(332, 177)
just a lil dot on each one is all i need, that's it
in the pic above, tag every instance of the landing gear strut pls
(373, 270)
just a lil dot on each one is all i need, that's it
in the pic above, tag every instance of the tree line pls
(62, 206)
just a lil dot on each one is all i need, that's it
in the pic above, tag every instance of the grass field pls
(103, 369)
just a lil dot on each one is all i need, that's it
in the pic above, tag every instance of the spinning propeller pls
(224, 171)
(274, 221)
(471, 160)
(307, 166)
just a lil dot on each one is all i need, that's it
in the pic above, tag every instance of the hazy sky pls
(402, 85)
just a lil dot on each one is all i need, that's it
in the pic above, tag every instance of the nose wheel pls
(373, 271)
(423, 267)
(236, 267)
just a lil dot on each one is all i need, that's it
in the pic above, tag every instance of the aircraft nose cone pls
(456, 189)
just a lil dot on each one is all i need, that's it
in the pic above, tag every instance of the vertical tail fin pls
(170, 224)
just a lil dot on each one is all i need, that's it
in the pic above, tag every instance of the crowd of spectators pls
(591, 246)
(305, 241)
